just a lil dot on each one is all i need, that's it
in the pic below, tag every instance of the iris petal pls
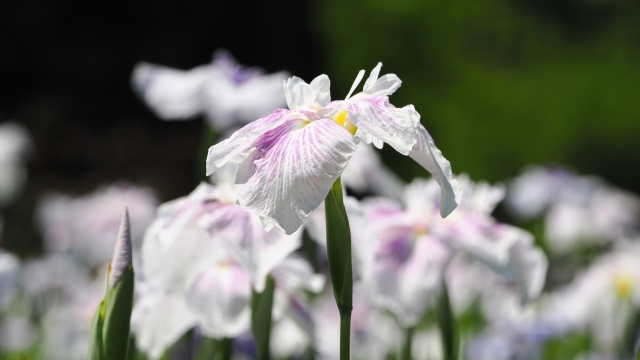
(291, 169)
(375, 116)
(240, 141)
(430, 157)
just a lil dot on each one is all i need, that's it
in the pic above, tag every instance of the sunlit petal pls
(241, 140)
(291, 169)
(430, 157)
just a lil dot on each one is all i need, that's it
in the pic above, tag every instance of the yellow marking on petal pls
(225, 263)
(422, 230)
(342, 119)
(623, 284)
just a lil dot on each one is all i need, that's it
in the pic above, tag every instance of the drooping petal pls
(430, 157)
(291, 170)
(376, 117)
(170, 93)
(241, 140)
(300, 95)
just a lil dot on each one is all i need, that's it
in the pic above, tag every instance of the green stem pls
(224, 349)
(447, 324)
(405, 352)
(339, 259)
(345, 334)
(261, 308)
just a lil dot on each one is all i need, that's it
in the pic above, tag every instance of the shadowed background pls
(499, 83)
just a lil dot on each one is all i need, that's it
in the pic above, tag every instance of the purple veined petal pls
(383, 86)
(170, 93)
(241, 140)
(291, 170)
(430, 157)
(221, 299)
(375, 116)
(300, 95)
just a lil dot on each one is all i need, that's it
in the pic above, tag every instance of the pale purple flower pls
(15, 143)
(208, 226)
(227, 93)
(405, 249)
(290, 159)
(204, 254)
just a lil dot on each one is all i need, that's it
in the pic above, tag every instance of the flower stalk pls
(261, 309)
(447, 324)
(339, 258)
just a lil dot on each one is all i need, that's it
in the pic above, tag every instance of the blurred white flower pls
(576, 209)
(85, 226)
(203, 254)
(227, 93)
(603, 298)
(15, 142)
(405, 249)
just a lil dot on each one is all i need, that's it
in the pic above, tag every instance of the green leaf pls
(339, 258)
(95, 340)
(339, 247)
(118, 317)
(261, 308)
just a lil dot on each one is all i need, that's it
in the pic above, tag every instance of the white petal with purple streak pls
(235, 148)
(376, 117)
(291, 169)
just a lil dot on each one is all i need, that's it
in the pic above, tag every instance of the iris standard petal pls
(241, 140)
(300, 95)
(291, 169)
(383, 86)
(375, 116)
(430, 157)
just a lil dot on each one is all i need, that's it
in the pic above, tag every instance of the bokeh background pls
(500, 84)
